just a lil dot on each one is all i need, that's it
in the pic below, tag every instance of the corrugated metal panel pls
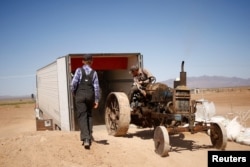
(47, 90)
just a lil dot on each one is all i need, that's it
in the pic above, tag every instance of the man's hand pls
(95, 105)
(141, 82)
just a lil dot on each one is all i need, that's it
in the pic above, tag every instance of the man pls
(142, 78)
(85, 88)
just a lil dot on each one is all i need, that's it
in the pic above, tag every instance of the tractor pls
(168, 110)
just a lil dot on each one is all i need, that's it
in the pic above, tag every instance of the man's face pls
(134, 73)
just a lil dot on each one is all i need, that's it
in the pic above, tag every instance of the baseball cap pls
(133, 68)
(87, 57)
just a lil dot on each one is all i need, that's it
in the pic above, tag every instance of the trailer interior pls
(113, 75)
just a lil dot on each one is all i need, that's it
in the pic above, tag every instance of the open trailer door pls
(113, 74)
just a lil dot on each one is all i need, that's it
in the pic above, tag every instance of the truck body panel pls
(47, 91)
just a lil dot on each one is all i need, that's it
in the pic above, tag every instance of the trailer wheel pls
(161, 141)
(117, 114)
(218, 136)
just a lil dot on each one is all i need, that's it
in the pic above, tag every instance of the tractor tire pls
(117, 114)
(218, 136)
(161, 141)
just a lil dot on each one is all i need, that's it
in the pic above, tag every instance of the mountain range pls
(212, 82)
(192, 82)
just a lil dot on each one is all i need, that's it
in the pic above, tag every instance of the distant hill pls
(212, 82)
(192, 82)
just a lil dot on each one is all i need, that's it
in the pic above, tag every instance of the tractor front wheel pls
(218, 136)
(161, 141)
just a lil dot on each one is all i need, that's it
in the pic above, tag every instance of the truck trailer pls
(54, 100)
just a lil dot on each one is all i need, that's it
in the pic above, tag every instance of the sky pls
(211, 36)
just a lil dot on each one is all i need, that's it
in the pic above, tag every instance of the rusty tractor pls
(168, 110)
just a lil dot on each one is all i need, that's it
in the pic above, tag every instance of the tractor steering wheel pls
(152, 79)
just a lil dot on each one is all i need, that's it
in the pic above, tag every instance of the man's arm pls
(148, 74)
(75, 80)
(96, 89)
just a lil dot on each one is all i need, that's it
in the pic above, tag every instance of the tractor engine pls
(163, 105)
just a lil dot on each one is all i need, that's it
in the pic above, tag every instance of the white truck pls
(54, 98)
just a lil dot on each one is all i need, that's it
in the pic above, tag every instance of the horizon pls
(167, 81)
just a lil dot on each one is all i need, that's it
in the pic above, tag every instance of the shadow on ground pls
(178, 143)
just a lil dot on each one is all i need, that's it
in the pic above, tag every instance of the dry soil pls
(22, 146)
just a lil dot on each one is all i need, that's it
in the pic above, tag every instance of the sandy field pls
(22, 146)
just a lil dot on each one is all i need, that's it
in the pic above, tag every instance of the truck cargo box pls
(54, 98)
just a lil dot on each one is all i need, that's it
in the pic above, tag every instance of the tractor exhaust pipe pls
(183, 77)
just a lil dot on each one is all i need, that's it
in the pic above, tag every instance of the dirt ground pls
(21, 145)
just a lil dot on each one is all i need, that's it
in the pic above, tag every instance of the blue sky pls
(211, 36)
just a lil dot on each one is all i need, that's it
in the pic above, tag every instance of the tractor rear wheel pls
(218, 136)
(161, 141)
(117, 114)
